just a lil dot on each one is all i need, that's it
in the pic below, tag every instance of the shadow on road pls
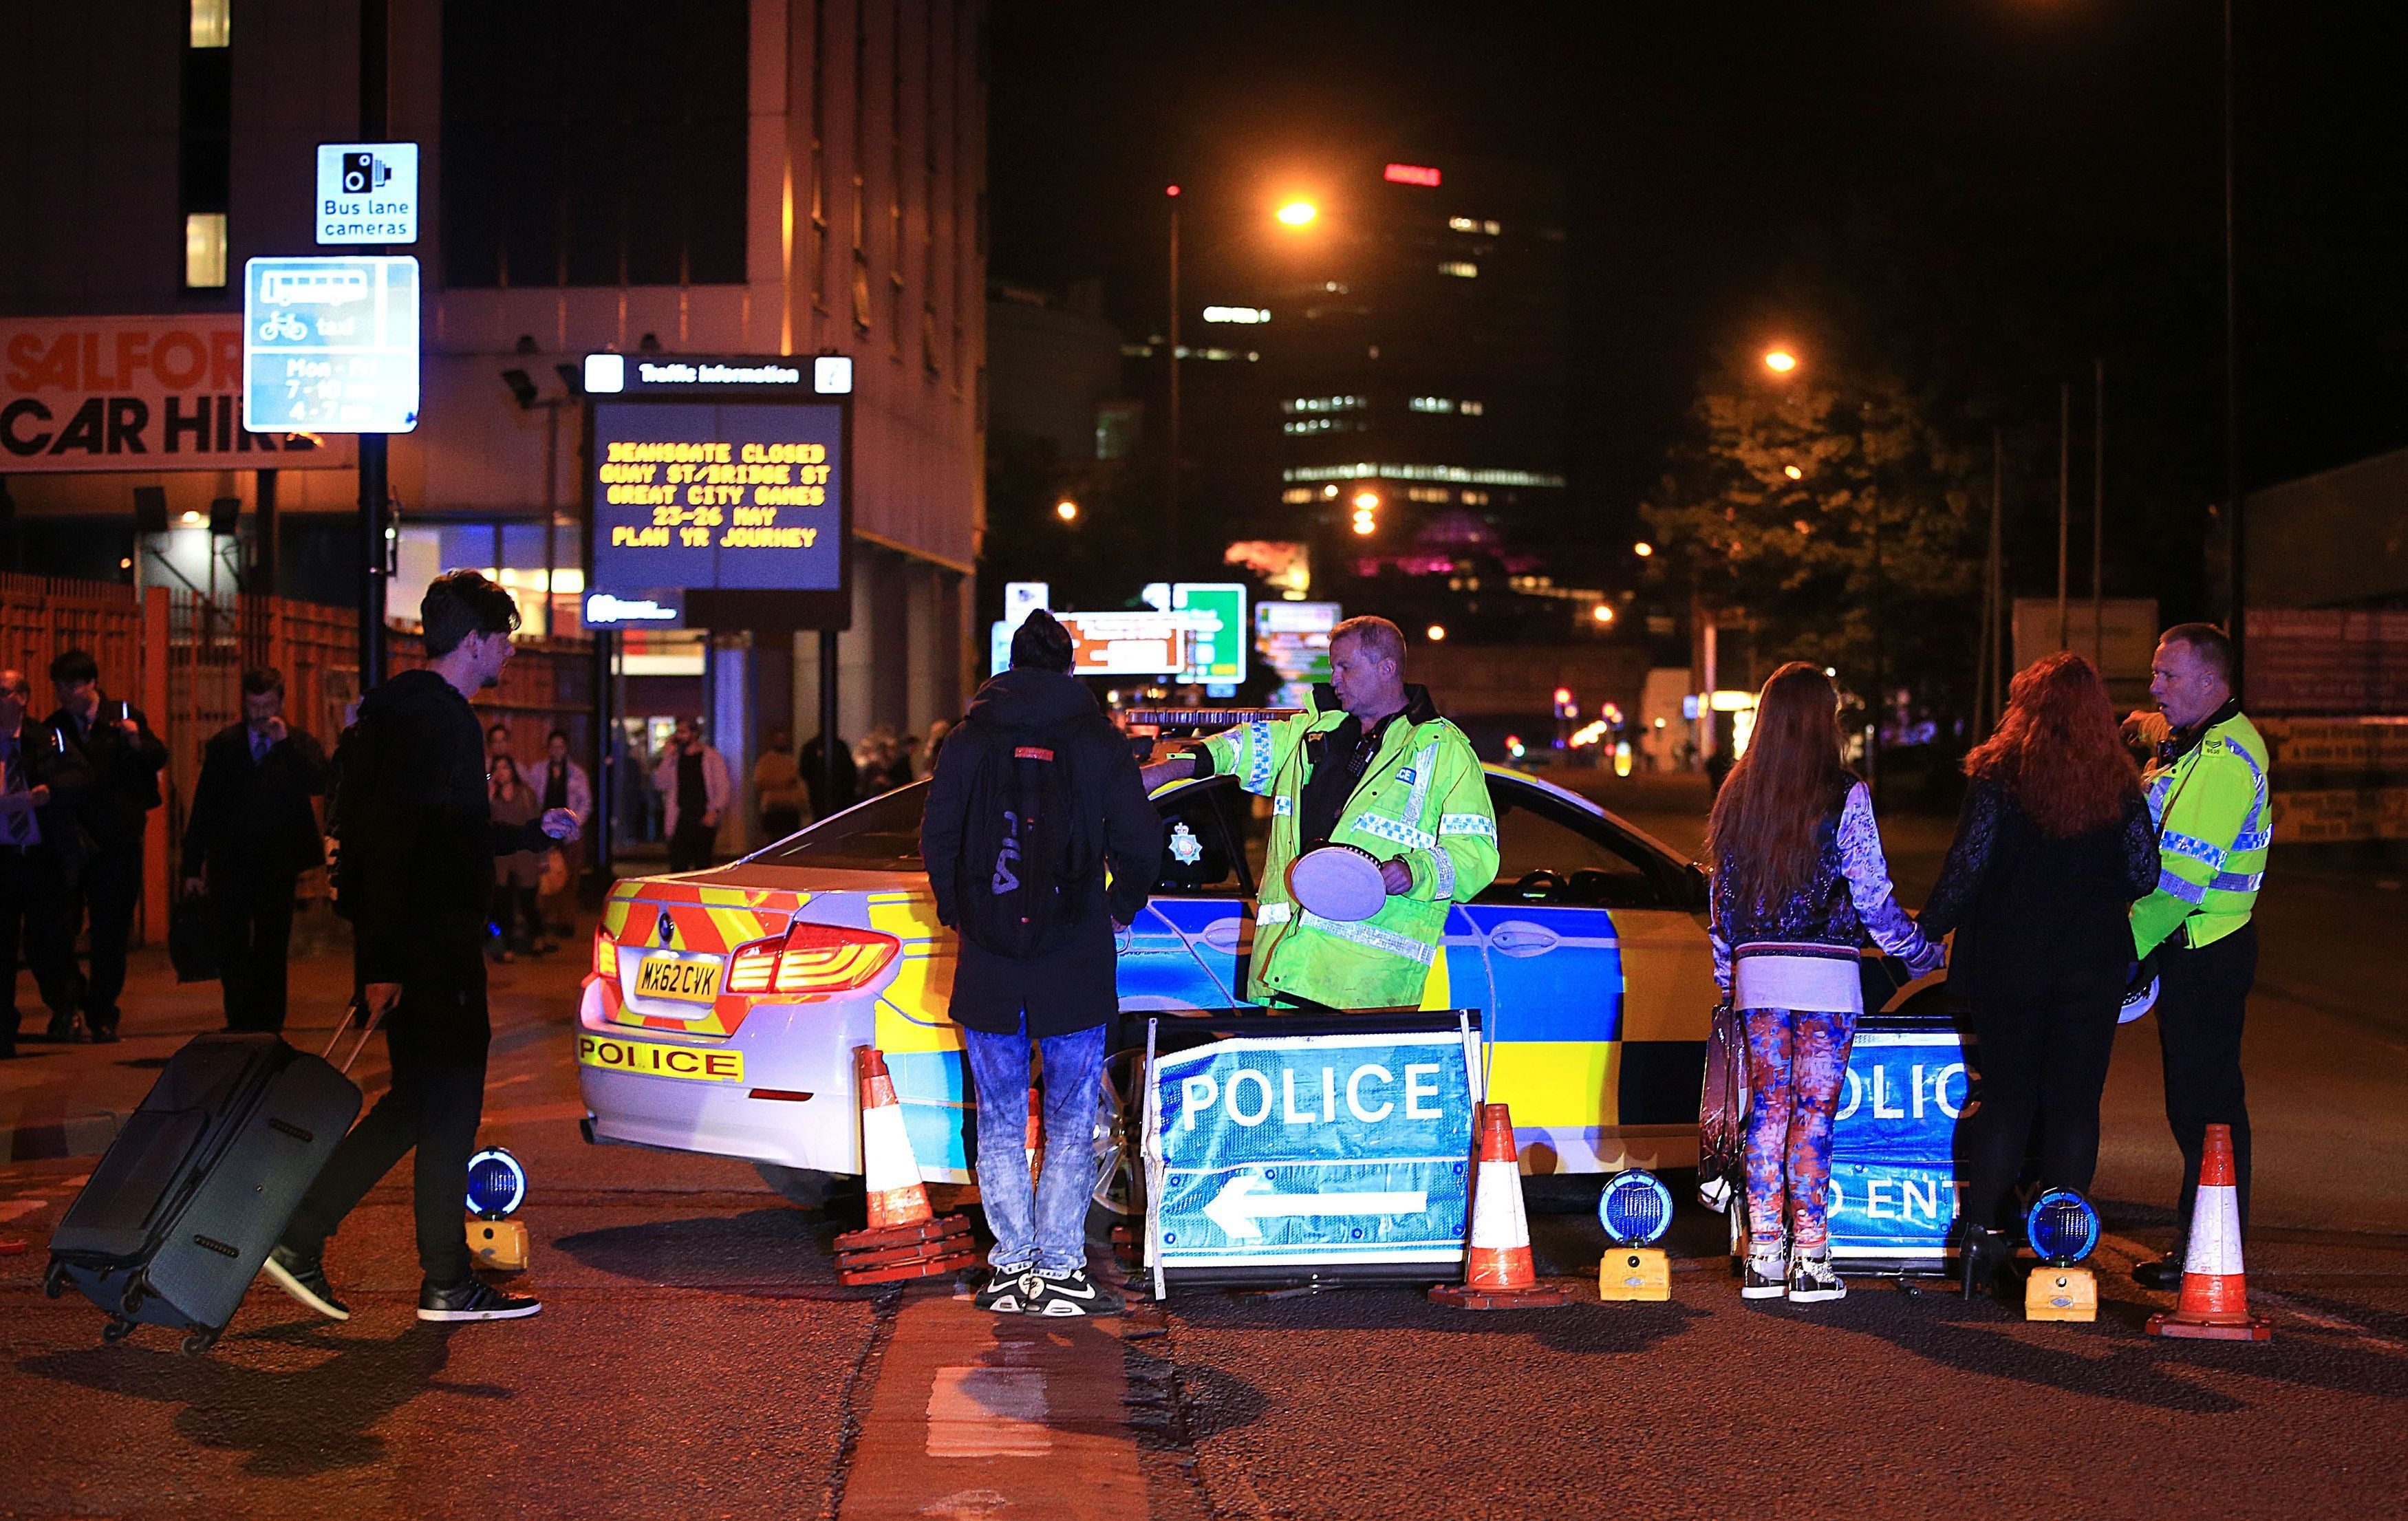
(770, 1246)
(310, 1420)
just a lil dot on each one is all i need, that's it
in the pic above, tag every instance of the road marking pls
(1242, 1200)
(17, 1209)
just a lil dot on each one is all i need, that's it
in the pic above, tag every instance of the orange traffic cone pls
(2214, 1303)
(1497, 1271)
(904, 1239)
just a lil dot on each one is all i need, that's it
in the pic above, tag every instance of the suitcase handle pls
(351, 1011)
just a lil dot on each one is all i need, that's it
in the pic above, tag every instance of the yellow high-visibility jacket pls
(1423, 801)
(2214, 822)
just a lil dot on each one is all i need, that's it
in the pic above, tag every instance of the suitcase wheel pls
(116, 1331)
(198, 1342)
(54, 1283)
(130, 1303)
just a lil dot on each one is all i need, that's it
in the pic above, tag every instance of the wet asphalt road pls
(696, 1357)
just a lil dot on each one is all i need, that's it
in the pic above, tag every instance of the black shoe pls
(1059, 1295)
(104, 1032)
(305, 1279)
(1982, 1258)
(1007, 1293)
(475, 1299)
(2165, 1274)
(62, 1027)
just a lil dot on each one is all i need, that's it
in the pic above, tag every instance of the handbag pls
(1722, 1111)
(188, 940)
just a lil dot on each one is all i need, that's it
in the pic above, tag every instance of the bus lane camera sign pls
(1313, 1149)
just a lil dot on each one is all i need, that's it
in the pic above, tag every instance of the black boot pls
(1983, 1258)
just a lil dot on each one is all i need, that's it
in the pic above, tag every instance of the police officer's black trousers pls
(2200, 1000)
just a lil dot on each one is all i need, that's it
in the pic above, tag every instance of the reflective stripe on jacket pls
(2215, 821)
(1423, 801)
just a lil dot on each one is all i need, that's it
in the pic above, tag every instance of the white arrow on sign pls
(1244, 1200)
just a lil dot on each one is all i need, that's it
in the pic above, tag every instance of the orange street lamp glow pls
(1298, 214)
(1780, 361)
(1793, 472)
(1436, 632)
(1601, 612)
(1066, 509)
(1362, 523)
(1365, 501)
(1642, 550)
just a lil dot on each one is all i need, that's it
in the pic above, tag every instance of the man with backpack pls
(414, 874)
(1039, 845)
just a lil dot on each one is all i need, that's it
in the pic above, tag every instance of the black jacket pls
(1076, 987)
(2038, 918)
(125, 771)
(418, 836)
(48, 763)
(253, 819)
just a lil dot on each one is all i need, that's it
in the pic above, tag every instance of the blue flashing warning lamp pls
(2062, 1227)
(1635, 1208)
(498, 1184)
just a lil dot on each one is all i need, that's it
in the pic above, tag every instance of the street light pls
(1066, 509)
(1643, 549)
(1297, 213)
(1780, 361)
(1366, 500)
(1601, 612)
(1436, 632)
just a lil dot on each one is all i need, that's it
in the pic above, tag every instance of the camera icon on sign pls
(364, 173)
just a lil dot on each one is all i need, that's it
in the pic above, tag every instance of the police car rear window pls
(882, 834)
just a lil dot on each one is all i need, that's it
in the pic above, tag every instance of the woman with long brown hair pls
(517, 875)
(1799, 883)
(2054, 845)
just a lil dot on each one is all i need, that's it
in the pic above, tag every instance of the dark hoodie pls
(418, 833)
(1075, 987)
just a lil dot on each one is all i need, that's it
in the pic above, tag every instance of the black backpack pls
(1020, 885)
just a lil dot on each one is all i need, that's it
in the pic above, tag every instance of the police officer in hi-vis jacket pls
(1373, 764)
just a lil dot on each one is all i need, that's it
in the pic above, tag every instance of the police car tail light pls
(606, 954)
(829, 958)
(754, 965)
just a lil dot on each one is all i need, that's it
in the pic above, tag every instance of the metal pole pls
(263, 531)
(551, 511)
(1999, 624)
(829, 739)
(1881, 677)
(2098, 515)
(2064, 497)
(2237, 561)
(606, 753)
(1171, 520)
(372, 445)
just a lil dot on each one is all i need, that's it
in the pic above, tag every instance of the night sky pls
(1983, 193)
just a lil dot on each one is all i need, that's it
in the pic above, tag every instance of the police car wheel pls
(1119, 1190)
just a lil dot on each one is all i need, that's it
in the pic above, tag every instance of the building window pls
(204, 250)
(1295, 495)
(1461, 268)
(1325, 403)
(1472, 408)
(212, 23)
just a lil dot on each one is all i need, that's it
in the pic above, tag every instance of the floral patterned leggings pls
(1797, 1060)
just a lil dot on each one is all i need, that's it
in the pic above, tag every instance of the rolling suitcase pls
(188, 1200)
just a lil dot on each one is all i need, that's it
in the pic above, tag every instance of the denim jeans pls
(1050, 1230)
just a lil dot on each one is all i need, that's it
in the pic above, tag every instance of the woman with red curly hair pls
(2054, 846)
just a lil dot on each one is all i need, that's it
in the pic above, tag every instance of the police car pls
(723, 1006)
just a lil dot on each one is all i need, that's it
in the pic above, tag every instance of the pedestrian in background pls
(1799, 880)
(516, 875)
(2207, 793)
(2053, 846)
(1037, 801)
(417, 876)
(814, 770)
(253, 830)
(563, 784)
(691, 777)
(498, 742)
(41, 847)
(113, 738)
(778, 785)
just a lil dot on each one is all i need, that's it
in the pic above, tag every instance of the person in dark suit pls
(254, 831)
(114, 739)
(41, 785)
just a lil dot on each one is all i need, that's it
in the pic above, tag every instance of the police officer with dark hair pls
(416, 877)
(114, 739)
(254, 831)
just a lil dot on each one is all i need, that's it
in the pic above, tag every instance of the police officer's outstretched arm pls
(1132, 832)
(1464, 859)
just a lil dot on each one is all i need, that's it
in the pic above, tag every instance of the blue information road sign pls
(330, 345)
(1893, 1193)
(1313, 1149)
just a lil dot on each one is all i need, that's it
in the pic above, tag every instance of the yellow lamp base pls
(2060, 1294)
(498, 1244)
(1634, 1273)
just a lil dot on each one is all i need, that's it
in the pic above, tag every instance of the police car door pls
(1187, 948)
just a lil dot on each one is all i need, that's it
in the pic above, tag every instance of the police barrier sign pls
(1893, 1193)
(1300, 1150)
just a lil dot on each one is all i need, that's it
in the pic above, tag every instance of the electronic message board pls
(721, 485)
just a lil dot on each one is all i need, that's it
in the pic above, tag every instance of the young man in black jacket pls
(416, 874)
(41, 844)
(114, 739)
(254, 831)
(1058, 996)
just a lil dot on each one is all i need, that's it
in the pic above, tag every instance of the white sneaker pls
(1813, 1280)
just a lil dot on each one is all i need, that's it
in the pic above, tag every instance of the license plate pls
(653, 1060)
(669, 977)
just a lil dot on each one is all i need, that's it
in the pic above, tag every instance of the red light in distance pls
(1171, 190)
(1411, 174)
